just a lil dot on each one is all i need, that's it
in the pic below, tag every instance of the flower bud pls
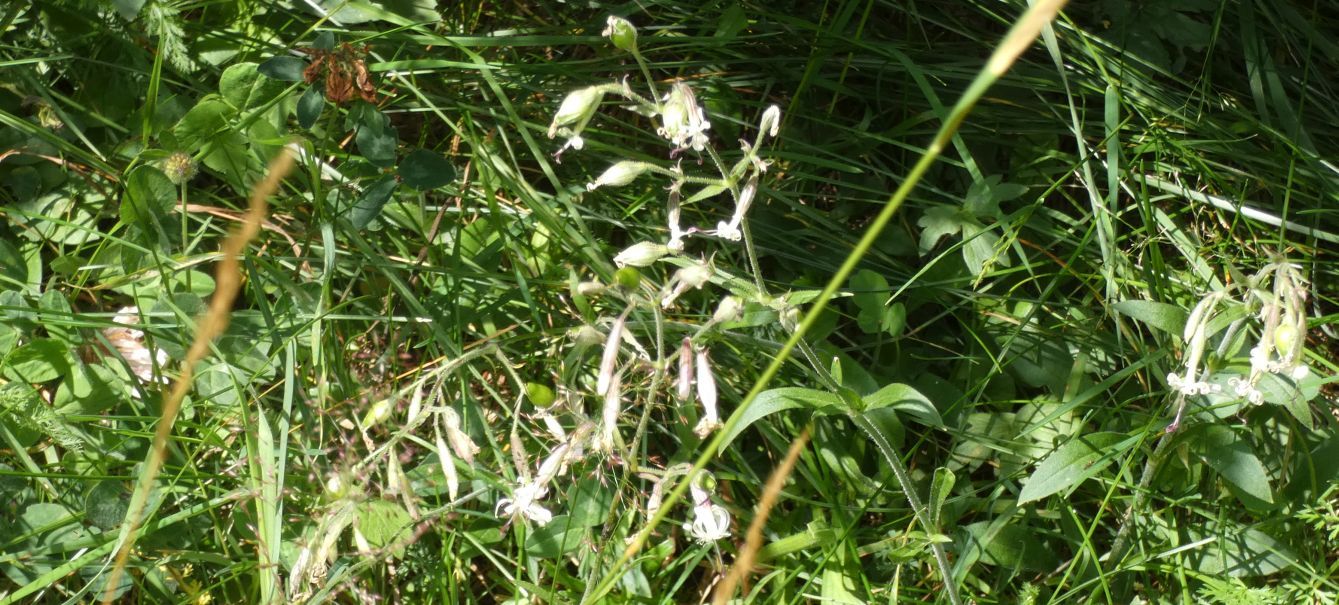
(378, 413)
(179, 168)
(590, 288)
(620, 174)
(771, 121)
(685, 384)
(621, 32)
(706, 392)
(642, 254)
(585, 336)
(609, 359)
(729, 309)
(576, 109)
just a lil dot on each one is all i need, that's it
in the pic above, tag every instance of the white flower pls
(706, 391)
(1246, 390)
(692, 277)
(524, 503)
(129, 343)
(730, 230)
(448, 468)
(683, 121)
(711, 522)
(613, 406)
(461, 443)
(771, 121)
(1190, 386)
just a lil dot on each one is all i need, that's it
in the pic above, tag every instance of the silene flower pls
(692, 277)
(706, 391)
(683, 121)
(574, 113)
(524, 503)
(730, 230)
(711, 522)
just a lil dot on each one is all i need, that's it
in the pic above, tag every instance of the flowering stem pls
(753, 258)
(1019, 38)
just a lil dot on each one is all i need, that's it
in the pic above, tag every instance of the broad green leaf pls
(1072, 463)
(38, 361)
(906, 399)
(370, 203)
(285, 68)
(424, 170)
(937, 222)
(1238, 551)
(787, 398)
(203, 122)
(242, 87)
(1225, 451)
(978, 247)
(384, 523)
(128, 9)
(376, 138)
(589, 501)
(554, 539)
(106, 504)
(57, 317)
(148, 202)
(310, 106)
(1166, 317)
(1012, 547)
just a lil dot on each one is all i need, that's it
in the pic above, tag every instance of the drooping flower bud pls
(621, 32)
(620, 174)
(642, 254)
(692, 277)
(728, 310)
(771, 121)
(685, 384)
(461, 443)
(577, 108)
(609, 359)
(706, 391)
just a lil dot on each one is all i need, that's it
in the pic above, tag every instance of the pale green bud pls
(621, 32)
(642, 254)
(620, 174)
(728, 309)
(576, 110)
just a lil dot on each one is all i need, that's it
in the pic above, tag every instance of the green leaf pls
(936, 223)
(1073, 463)
(310, 106)
(384, 523)
(787, 398)
(148, 202)
(106, 504)
(243, 88)
(38, 361)
(940, 487)
(869, 292)
(286, 68)
(1162, 316)
(128, 9)
(371, 202)
(203, 122)
(1012, 546)
(376, 139)
(324, 41)
(590, 501)
(907, 399)
(978, 247)
(554, 539)
(57, 317)
(1225, 451)
(424, 170)
(1237, 551)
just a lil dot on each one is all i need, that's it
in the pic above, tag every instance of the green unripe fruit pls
(628, 278)
(540, 395)
(1285, 337)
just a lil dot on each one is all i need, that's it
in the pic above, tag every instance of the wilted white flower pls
(621, 32)
(683, 121)
(524, 503)
(727, 310)
(448, 467)
(129, 343)
(692, 277)
(642, 254)
(1246, 390)
(1187, 385)
(771, 121)
(685, 384)
(672, 209)
(706, 392)
(613, 406)
(609, 358)
(461, 443)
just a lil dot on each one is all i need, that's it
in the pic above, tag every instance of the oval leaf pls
(903, 398)
(424, 170)
(1226, 452)
(1166, 317)
(1072, 463)
(309, 107)
(283, 67)
(374, 198)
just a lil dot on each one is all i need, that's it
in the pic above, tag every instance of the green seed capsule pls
(540, 395)
(628, 278)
